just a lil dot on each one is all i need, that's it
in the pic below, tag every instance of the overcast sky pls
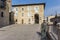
(51, 5)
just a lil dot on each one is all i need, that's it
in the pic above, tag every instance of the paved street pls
(20, 32)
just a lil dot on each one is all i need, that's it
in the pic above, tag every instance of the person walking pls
(44, 29)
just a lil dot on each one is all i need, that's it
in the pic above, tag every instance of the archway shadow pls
(38, 33)
(6, 25)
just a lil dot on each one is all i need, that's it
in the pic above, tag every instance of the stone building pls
(4, 12)
(29, 13)
(48, 19)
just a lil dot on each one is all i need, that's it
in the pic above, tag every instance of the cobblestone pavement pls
(20, 32)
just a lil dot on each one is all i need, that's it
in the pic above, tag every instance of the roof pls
(29, 4)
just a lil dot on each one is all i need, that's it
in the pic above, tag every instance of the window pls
(29, 14)
(29, 21)
(2, 14)
(16, 9)
(3, 4)
(22, 21)
(22, 14)
(15, 14)
(22, 9)
(29, 8)
(36, 8)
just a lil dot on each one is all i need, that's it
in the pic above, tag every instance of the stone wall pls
(5, 19)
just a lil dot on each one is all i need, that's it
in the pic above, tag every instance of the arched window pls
(29, 21)
(22, 9)
(16, 20)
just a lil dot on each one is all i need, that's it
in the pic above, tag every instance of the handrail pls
(52, 34)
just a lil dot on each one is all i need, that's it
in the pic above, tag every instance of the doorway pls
(9, 18)
(36, 18)
(22, 21)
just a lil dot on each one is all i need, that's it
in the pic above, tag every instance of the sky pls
(51, 8)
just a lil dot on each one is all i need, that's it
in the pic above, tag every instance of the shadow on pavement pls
(5, 25)
(47, 35)
(39, 33)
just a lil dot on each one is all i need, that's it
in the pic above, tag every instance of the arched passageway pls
(36, 18)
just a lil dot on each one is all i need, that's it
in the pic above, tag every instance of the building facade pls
(4, 12)
(48, 19)
(29, 13)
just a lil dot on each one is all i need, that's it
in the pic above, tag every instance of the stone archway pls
(36, 16)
